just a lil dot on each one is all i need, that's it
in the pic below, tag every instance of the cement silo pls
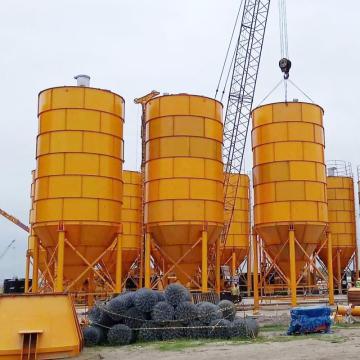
(78, 183)
(184, 212)
(341, 207)
(236, 247)
(40, 271)
(290, 204)
(131, 218)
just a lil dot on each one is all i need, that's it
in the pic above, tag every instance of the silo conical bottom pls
(307, 235)
(188, 268)
(345, 252)
(240, 254)
(128, 258)
(88, 240)
(174, 241)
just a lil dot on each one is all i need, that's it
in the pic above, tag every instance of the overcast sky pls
(134, 46)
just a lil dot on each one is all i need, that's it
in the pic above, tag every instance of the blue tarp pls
(309, 320)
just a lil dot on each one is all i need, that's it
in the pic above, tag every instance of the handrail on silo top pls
(339, 168)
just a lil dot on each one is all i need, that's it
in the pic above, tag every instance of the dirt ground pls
(342, 344)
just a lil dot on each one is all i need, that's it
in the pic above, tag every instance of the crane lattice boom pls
(14, 220)
(241, 96)
(7, 249)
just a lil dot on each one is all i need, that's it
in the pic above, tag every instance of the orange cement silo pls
(131, 218)
(236, 247)
(183, 183)
(341, 207)
(78, 183)
(290, 204)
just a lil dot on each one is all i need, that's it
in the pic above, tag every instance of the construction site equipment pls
(285, 66)
(142, 101)
(78, 184)
(131, 215)
(284, 63)
(348, 310)
(310, 319)
(244, 68)
(241, 95)
(236, 248)
(8, 247)
(168, 317)
(183, 184)
(354, 296)
(290, 206)
(14, 220)
(39, 326)
(14, 286)
(357, 276)
(341, 208)
(40, 258)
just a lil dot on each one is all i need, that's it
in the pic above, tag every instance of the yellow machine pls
(78, 184)
(38, 326)
(236, 247)
(341, 207)
(290, 205)
(184, 212)
(131, 215)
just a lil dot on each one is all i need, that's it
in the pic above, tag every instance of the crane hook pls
(285, 66)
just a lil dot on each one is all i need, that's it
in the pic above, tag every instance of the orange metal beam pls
(14, 220)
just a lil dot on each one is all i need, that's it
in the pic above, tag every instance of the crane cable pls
(284, 63)
(227, 55)
(284, 40)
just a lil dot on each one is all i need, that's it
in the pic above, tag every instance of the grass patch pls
(260, 340)
(355, 325)
(179, 345)
(264, 338)
(183, 344)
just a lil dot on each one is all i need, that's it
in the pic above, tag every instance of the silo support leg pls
(27, 271)
(91, 288)
(204, 264)
(233, 264)
(292, 267)
(217, 267)
(248, 273)
(356, 267)
(141, 267)
(118, 275)
(338, 261)
(255, 273)
(35, 275)
(147, 260)
(330, 269)
(59, 287)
